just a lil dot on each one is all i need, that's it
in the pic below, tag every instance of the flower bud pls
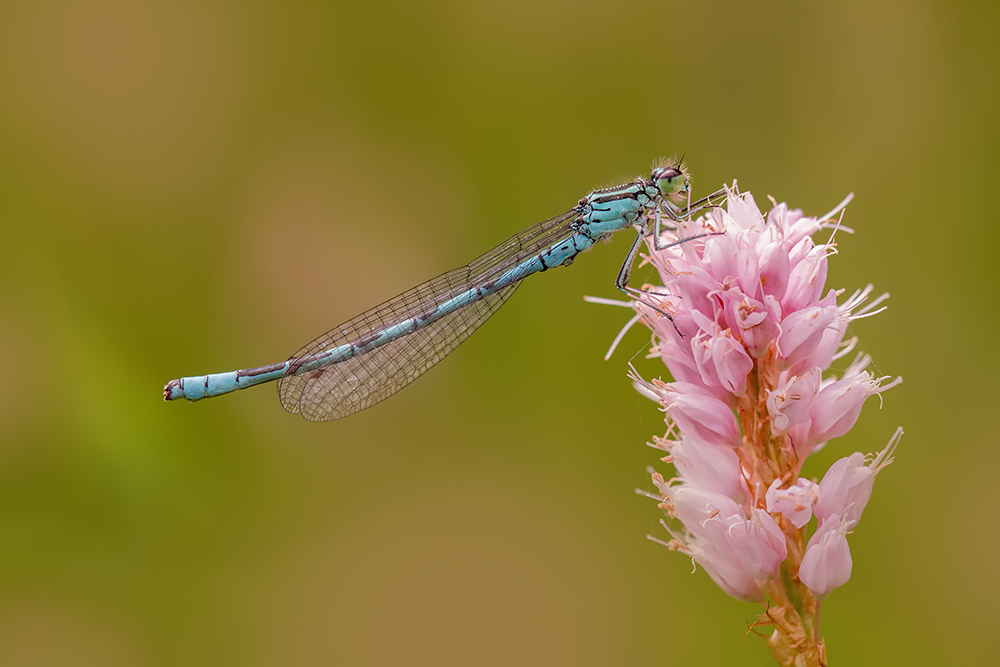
(827, 562)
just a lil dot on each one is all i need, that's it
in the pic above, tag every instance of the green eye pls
(670, 180)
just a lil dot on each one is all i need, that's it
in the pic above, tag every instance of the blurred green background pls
(191, 187)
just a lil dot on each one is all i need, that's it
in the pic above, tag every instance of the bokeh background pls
(198, 186)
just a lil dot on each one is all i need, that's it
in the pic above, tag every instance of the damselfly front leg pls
(644, 296)
(702, 204)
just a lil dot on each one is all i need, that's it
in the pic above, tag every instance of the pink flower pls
(734, 581)
(695, 410)
(706, 542)
(705, 466)
(795, 503)
(847, 485)
(789, 403)
(755, 321)
(775, 267)
(802, 331)
(729, 542)
(758, 543)
(807, 277)
(722, 360)
(838, 405)
(827, 562)
(705, 417)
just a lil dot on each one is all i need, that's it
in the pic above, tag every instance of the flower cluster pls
(751, 336)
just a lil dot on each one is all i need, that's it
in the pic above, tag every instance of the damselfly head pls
(673, 181)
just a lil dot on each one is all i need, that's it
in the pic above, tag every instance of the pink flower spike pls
(827, 562)
(754, 333)
(847, 485)
(795, 503)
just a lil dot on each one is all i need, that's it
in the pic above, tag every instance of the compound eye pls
(670, 180)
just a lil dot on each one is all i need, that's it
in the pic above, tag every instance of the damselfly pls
(374, 355)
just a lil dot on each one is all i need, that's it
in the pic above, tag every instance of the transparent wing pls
(343, 388)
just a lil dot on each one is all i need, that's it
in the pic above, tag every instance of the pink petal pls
(755, 321)
(802, 331)
(743, 209)
(806, 280)
(847, 486)
(701, 350)
(845, 489)
(704, 417)
(838, 406)
(709, 467)
(707, 516)
(720, 256)
(758, 543)
(828, 346)
(774, 269)
(827, 562)
(734, 581)
(732, 363)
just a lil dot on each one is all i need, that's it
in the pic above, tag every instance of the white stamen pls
(885, 457)
(838, 226)
(864, 315)
(621, 334)
(838, 208)
(848, 346)
(607, 302)
(658, 541)
(877, 301)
